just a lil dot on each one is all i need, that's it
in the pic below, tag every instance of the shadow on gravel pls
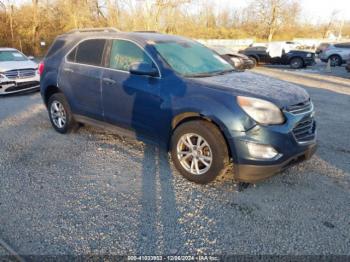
(157, 205)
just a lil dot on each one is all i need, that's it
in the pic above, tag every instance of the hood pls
(240, 55)
(13, 65)
(279, 92)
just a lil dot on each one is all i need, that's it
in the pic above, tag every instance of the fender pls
(227, 118)
(45, 83)
(255, 57)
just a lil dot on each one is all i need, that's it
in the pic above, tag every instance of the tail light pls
(41, 68)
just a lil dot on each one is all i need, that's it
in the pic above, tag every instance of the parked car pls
(336, 53)
(295, 58)
(239, 61)
(18, 73)
(181, 95)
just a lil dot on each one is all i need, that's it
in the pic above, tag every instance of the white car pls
(18, 73)
(336, 53)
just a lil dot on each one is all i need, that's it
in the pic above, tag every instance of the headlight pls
(236, 61)
(309, 55)
(261, 111)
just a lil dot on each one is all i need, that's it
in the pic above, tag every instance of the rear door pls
(131, 101)
(80, 78)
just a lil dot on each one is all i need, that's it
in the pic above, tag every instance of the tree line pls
(25, 26)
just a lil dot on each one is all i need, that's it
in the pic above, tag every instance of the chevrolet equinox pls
(181, 95)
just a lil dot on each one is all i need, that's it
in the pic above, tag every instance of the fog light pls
(262, 151)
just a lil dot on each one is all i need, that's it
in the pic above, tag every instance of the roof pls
(143, 37)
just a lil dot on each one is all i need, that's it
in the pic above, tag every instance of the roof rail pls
(88, 30)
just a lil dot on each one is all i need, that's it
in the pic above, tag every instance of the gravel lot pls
(93, 192)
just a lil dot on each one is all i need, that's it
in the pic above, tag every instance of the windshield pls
(192, 59)
(10, 56)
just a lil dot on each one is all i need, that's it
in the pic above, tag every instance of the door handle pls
(109, 81)
(68, 70)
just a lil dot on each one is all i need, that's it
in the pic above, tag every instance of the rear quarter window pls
(57, 45)
(89, 52)
(343, 45)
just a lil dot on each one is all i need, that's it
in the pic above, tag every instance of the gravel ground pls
(92, 192)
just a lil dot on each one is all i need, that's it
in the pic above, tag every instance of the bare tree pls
(269, 15)
(25, 24)
(330, 24)
(35, 26)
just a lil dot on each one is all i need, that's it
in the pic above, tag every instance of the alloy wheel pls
(194, 154)
(335, 61)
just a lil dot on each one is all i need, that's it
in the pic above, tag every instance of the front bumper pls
(310, 61)
(256, 173)
(291, 144)
(9, 86)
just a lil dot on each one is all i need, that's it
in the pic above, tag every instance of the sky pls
(312, 10)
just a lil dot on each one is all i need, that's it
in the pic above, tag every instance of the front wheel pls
(296, 63)
(199, 151)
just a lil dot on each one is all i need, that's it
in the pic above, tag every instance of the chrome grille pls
(20, 73)
(305, 130)
(300, 108)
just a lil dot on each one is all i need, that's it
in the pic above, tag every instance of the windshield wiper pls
(215, 73)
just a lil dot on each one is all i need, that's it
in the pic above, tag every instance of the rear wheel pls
(296, 63)
(199, 151)
(335, 60)
(60, 114)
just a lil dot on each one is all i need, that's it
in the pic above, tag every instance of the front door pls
(130, 101)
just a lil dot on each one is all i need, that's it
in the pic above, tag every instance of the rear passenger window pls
(89, 52)
(125, 53)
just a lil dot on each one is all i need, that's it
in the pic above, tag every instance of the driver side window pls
(125, 53)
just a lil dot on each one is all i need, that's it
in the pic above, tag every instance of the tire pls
(213, 146)
(296, 63)
(336, 60)
(255, 61)
(60, 114)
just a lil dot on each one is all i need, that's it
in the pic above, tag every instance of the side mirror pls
(31, 57)
(143, 69)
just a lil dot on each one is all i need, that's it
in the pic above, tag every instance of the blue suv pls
(181, 95)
